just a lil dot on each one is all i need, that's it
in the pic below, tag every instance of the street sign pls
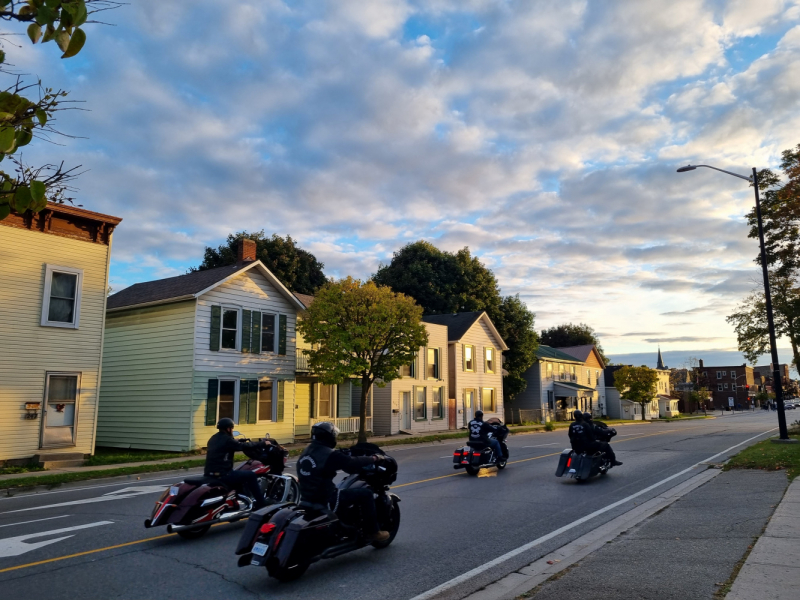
(730, 400)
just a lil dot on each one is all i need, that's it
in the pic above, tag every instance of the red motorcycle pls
(190, 507)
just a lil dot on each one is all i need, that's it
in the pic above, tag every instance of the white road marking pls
(35, 521)
(541, 445)
(525, 547)
(173, 477)
(115, 495)
(17, 545)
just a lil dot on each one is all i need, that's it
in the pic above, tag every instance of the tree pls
(297, 269)
(569, 334)
(29, 187)
(638, 384)
(449, 282)
(361, 330)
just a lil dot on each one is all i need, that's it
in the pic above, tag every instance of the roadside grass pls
(29, 468)
(769, 456)
(113, 456)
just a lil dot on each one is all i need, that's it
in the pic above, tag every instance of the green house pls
(181, 353)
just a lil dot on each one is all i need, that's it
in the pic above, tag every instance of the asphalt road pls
(89, 542)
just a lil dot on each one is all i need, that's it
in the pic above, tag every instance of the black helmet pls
(587, 416)
(325, 433)
(478, 414)
(226, 423)
(578, 415)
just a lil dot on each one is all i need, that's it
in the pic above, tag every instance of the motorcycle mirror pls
(236, 434)
(266, 436)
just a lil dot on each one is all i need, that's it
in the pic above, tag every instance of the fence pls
(517, 416)
(346, 424)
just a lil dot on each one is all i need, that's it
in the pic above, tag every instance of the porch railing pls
(301, 360)
(345, 424)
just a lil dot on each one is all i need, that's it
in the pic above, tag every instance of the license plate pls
(260, 549)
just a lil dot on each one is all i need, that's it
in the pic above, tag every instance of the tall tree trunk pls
(362, 422)
(643, 409)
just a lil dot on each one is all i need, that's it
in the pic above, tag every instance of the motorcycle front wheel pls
(392, 526)
(502, 464)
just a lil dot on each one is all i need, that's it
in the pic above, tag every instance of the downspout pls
(102, 343)
(191, 380)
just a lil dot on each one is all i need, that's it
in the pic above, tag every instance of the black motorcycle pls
(287, 538)
(583, 466)
(477, 455)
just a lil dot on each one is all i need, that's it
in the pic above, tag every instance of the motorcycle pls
(190, 507)
(477, 455)
(287, 539)
(583, 466)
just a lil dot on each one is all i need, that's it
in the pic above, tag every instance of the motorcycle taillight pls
(569, 461)
(267, 528)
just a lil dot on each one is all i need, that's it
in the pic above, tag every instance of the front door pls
(406, 401)
(60, 415)
(469, 406)
(302, 409)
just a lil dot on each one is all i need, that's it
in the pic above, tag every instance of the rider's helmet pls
(578, 415)
(325, 433)
(479, 414)
(225, 423)
(587, 416)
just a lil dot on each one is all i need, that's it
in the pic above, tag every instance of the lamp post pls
(776, 376)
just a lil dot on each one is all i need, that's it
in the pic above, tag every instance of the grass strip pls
(769, 456)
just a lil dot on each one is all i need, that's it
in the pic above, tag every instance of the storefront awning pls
(570, 389)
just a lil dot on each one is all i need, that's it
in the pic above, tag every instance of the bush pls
(549, 426)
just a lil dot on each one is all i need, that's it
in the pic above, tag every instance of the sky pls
(543, 135)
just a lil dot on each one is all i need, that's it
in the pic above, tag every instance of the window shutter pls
(211, 400)
(281, 390)
(282, 334)
(247, 317)
(252, 401)
(439, 366)
(243, 400)
(255, 338)
(216, 323)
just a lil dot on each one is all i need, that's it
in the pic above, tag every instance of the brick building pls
(729, 385)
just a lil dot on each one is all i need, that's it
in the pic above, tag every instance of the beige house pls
(53, 287)
(417, 402)
(622, 408)
(475, 366)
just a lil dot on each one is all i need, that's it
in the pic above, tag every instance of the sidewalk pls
(772, 571)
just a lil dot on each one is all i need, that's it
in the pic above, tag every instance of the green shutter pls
(281, 390)
(243, 403)
(255, 337)
(216, 324)
(247, 317)
(211, 401)
(282, 334)
(252, 401)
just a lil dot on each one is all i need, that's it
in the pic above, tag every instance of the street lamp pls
(776, 375)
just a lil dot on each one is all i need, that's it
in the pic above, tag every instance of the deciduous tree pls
(637, 384)
(361, 330)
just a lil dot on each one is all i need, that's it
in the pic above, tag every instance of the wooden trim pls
(66, 221)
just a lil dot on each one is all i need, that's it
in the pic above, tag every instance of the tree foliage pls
(637, 384)
(297, 269)
(29, 187)
(570, 334)
(361, 330)
(450, 282)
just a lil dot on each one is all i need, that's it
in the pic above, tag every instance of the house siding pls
(145, 396)
(31, 350)
(479, 336)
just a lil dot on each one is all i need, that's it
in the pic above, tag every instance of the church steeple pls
(660, 364)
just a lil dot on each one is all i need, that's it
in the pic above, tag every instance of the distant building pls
(729, 385)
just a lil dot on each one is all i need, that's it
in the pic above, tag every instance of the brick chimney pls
(245, 250)
(701, 364)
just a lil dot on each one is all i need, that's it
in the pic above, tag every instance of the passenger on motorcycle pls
(219, 462)
(593, 444)
(316, 468)
(480, 431)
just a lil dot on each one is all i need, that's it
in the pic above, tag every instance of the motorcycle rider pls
(599, 445)
(316, 468)
(480, 431)
(581, 436)
(219, 462)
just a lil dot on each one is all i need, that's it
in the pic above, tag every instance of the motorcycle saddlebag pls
(254, 522)
(563, 461)
(458, 455)
(584, 468)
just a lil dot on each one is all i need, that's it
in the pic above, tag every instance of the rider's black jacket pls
(221, 448)
(581, 436)
(479, 431)
(317, 467)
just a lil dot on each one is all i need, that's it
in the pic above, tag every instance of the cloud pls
(681, 339)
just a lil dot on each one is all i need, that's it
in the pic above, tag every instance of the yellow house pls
(53, 283)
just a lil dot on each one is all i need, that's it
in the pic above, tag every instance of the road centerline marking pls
(35, 521)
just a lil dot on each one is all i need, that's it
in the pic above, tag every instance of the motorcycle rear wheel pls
(287, 574)
(194, 534)
(472, 470)
(393, 526)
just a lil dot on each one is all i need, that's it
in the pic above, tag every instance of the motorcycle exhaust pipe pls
(236, 516)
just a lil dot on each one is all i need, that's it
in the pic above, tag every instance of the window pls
(719, 374)
(433, 363)
(230, 327)
(326, 399)
(61, 408)
(719, 387)
(733, 374)
(489, 360)
(733, 387)
(419, 404)
(588, 377)
(549, 370)
(437, 403)
(573, 377)
(62, 297)
(265, 400)
(409, 370)
(227, 399)
(487, 399)
(597, 377)
(561, 374)
(267, 332)
(469, 358)
(726, 386)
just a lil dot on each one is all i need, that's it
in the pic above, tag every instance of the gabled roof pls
(305, 299)
(459, 323)
(555, 354)
(582, 352)
(190, 286)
